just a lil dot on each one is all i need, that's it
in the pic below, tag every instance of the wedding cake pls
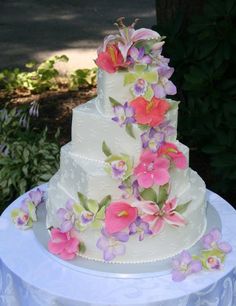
(124, 190)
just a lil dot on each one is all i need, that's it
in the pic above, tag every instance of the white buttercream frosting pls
(82, 170)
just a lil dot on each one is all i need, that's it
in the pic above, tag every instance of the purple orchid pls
(164, 86)
(212, 241)
(37, 196)
(141, 227)
(154, 138)
(137, 56)
(118, 169)
(87, 217)
(140, 87)
(112, 245)
(124, 114)
(184, 265)
(213, 263)
(130, 190)
(66, 216)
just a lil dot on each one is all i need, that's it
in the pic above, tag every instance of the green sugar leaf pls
(130, 78)
(129, 130)
(182, 207)
(105, 201)
(83, 199)
(114, 102)
(149, 195)
(92, 206)
(106, 150)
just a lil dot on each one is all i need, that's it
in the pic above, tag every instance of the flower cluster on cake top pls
(136, 51)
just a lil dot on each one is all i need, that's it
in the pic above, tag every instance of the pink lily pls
(156, 216)
(129, 36)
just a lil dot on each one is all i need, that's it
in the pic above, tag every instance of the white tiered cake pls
(124, 184)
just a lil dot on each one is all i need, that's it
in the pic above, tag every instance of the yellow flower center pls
(149, 106)
(123, 213)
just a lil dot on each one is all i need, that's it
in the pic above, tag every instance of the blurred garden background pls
(47, 68)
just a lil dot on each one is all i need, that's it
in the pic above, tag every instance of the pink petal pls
(148, 218)
(57, 235)
(148, 208)
(143, 34)
(162, 163)
(55, 248)
(108, 39)
(180, 161)
(124, 48)
(158, 225)
(72, 245)
(140, 168)
(161, 177)
(67, 256)
(114, 222)
(175, 218)
(170, 205)
(148, 156)
(145, 180)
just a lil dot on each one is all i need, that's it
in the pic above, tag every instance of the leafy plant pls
(83, 77)
(27, 158)
(41, 78)
(202, 51)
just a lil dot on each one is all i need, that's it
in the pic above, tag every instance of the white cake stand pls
(31, 276)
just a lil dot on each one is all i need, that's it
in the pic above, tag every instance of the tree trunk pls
(166, 10)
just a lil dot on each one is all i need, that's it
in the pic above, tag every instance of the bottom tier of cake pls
(169, 242)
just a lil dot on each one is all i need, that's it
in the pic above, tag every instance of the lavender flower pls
(154, 138)
(66, 216)
(124, 114)
(35, 197)
(141, 227)
(212, 241)
(164, 86)
(112, 245)
(184, 265)
(118, 169)
(137, 56)
(130, 189)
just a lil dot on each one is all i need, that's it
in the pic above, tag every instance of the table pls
(30, 276)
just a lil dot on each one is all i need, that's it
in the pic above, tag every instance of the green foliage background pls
(202, 50)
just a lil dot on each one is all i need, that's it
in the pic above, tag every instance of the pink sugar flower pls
(152, 170)
(66, 245)
(110, 60)
(150, 113)
(119, 215)
(156, 217)
(170, 150)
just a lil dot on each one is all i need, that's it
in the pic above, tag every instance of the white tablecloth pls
(30, 276)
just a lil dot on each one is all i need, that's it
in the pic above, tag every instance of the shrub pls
(27, 158)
